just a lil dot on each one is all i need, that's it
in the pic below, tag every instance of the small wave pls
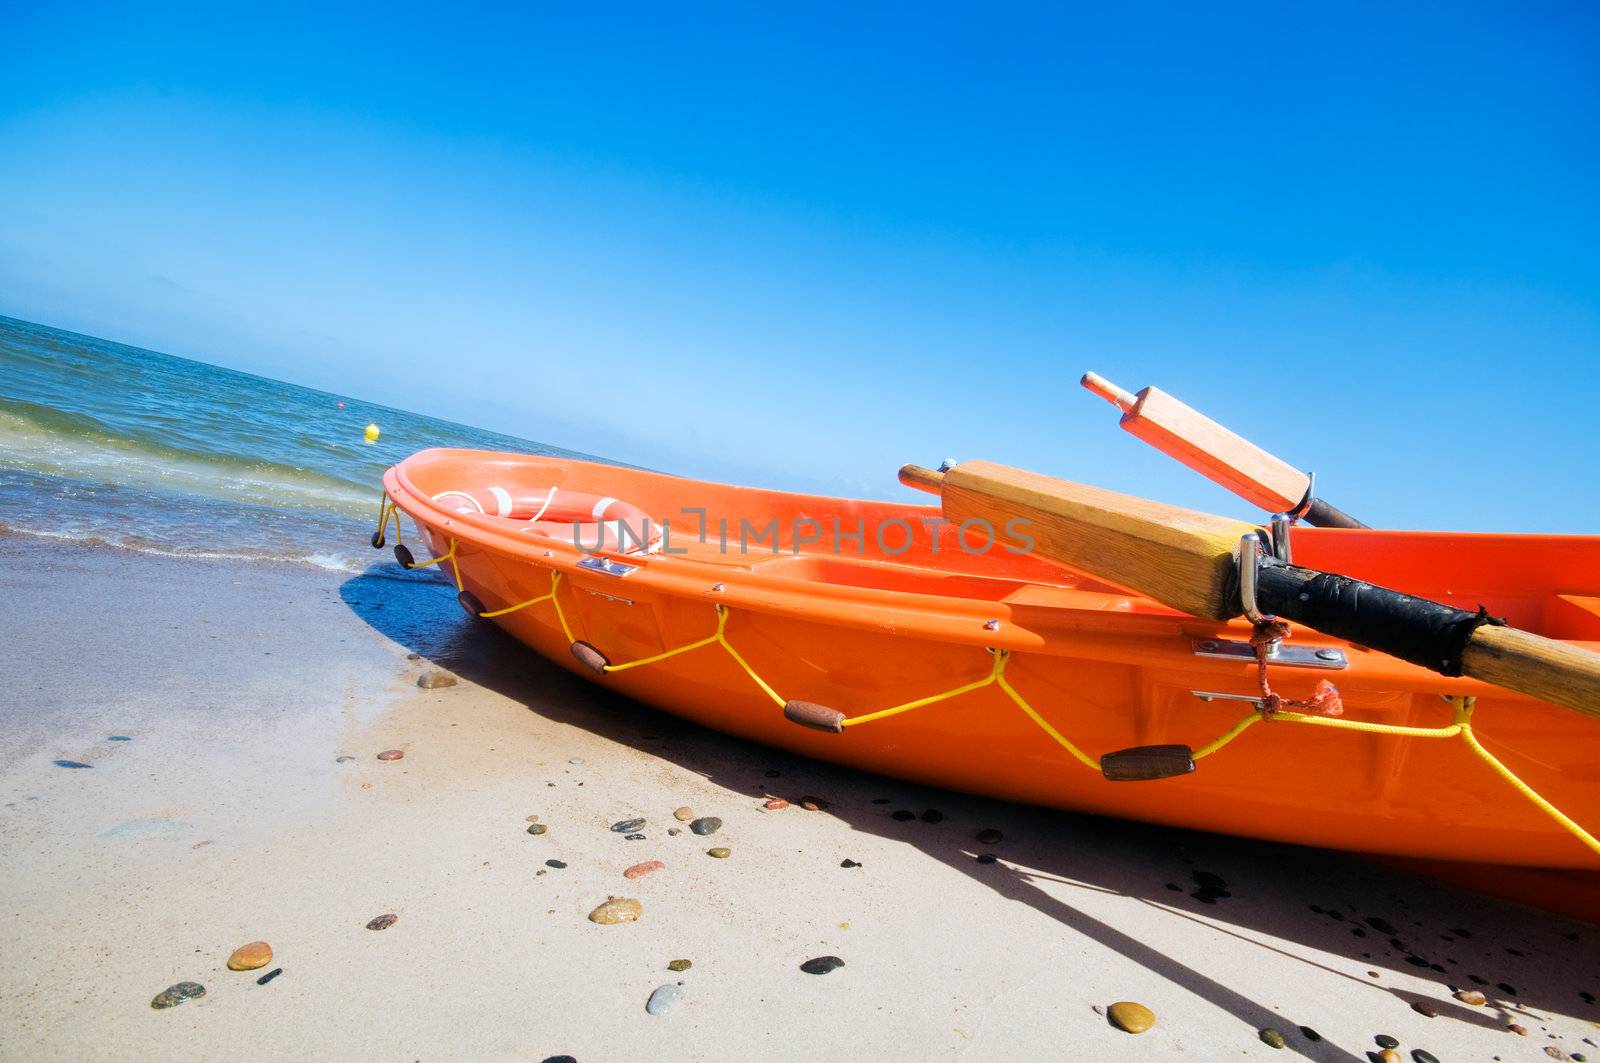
(57, 443)
(329, 562)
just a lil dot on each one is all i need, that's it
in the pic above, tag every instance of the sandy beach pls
(174, 783)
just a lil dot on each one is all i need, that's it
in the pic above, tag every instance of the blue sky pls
(801, 246)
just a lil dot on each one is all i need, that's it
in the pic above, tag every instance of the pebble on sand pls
(1471, 996)
(1422, 1055)
(435, 680)
(269, 976)
(772, 804)
(174, 995)
(617, 910)
(250, 957)
(1270, 1037)
(640, 870)
(64, 763)
(706, 825)
(904, 815)
(822, 964)
(679, 965)
(990, 836)
(533, 819)
(1517, 1028)
(986, 858)
(382, 922)
(847, 862)
(664, 999)
(633, 837)
(1131, 1016)
(391, 754)
(1423, 1007)
(683, 815)
(537, 828)
(559, 1059)
(557, 864)
(1386, 1041)
(627, 826)
(1389, 1055)
(932, 815)
(813, 804)
(720, 852)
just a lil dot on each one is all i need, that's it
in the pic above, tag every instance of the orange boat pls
(950, 656)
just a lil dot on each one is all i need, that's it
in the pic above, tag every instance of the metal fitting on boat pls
(1252, 548)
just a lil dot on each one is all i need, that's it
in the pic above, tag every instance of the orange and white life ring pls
(590, 522)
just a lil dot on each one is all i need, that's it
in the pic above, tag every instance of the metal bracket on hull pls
(1214, 695)
(596, 563)
(1299, 656)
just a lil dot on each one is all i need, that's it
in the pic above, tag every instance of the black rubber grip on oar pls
(1143, 763)
(1320, 514)
(817, 717)
(1413, 629)
(590, 657)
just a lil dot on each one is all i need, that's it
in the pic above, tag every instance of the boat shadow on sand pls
(1332, 911)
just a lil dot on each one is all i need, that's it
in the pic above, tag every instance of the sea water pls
(110, 444)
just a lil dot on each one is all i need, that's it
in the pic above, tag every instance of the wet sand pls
(226, 817)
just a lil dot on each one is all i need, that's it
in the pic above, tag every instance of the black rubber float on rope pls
(1143, 763)
(377, 539)
(470, 603)
(590, 657)
(402, 554)
(816, 717)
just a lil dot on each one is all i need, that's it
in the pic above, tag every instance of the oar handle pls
(1549, 670)
(922, 479)
(1438, 637)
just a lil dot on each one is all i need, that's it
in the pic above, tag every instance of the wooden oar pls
(1221, 456)
(1187, 560)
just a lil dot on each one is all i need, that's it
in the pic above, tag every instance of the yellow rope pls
(1523, 788)
(715, 636)
(1370, 728)
(555, 579)
(751, 672)
(387, 509)
(908, 706)
(1079, 755)
(450, 556)
(1227, 736)
(718, 636)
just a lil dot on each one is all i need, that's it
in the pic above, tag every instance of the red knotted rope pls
(1324, 698)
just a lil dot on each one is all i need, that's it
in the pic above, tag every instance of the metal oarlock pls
(1299, 511)
(1252, 548)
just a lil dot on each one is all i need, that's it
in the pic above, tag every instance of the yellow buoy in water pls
(372, 433)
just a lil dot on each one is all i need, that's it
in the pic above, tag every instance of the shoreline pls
(227, 817)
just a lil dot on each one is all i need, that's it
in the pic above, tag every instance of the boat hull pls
(862, 631)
